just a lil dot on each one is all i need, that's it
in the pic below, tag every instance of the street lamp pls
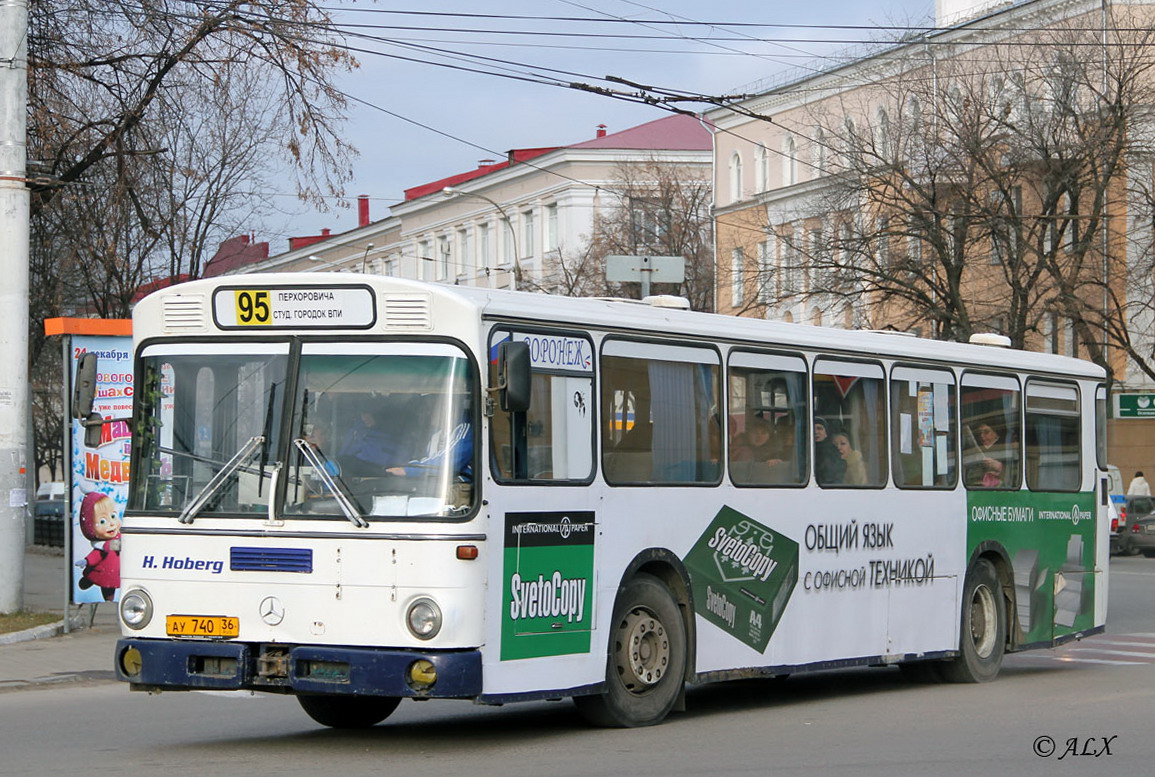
(343, 263)
(450, 191)
(325, 262)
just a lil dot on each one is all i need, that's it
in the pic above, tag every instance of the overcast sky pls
(422, 115)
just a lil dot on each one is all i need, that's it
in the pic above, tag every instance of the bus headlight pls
(424, 618)
(136, 609)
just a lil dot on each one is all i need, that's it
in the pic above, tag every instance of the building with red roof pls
(506, 222)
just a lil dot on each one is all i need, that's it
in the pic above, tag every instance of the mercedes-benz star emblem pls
(272, 611)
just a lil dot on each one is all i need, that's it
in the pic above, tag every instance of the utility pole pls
(13, 300)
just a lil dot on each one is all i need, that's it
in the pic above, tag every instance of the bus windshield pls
(376, 430)
(207, 427)
(391, 425)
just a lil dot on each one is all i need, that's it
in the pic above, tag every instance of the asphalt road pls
(1094, 698)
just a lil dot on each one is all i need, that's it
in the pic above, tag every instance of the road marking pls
(1104, 651)
(1111, 652)
(1069, 660)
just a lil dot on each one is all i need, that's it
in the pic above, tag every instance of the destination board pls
(295, 307)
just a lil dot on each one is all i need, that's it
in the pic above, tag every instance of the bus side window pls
(768, 419)
(924, 449)
(553, 439)
(990, 422)
(849, 425)
(660, 417)
(1053, 439)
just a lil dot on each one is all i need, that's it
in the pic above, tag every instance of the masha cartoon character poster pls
(100, 525)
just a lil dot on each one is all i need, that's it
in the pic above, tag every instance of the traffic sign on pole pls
(646, 270)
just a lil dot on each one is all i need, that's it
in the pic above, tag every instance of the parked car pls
(1136, 508)
(48, 522)
(1142, 531)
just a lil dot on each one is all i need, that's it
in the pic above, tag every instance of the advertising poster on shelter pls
(100, 474)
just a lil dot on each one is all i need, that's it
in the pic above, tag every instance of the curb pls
(46, 631)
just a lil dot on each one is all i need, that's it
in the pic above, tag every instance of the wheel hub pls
(983, 614)
(647, 649)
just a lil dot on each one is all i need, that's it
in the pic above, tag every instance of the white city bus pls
(363, 490)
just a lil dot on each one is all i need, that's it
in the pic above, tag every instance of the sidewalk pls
(46, 655)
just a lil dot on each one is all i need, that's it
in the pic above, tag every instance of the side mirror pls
(84, 397)
(84, 393)
(513, 376)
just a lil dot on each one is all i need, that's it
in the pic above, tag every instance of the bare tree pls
(98, 70)
(983, 191)
(152, 127)
(655, 208)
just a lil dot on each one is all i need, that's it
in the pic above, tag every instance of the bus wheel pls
(348, 711)
(647, 661)
(983, 632)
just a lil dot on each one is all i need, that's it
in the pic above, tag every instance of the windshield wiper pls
(268, 434)
(319, 462)
(219, 479)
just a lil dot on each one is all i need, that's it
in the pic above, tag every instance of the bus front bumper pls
(159, 664)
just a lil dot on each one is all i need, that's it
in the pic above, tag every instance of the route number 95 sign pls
(295, 307)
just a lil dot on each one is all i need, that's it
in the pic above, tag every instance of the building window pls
(885, 136)
(766, 268)
(819, 151)
(464, 261)
(424, 261)
(508, 248)
(648, 221)
(1005, 232)
(1050, 333)
(883, 240)
(789, 162)
(762, 172)
(852, 144)
(736, 190)
(551, 235)
(483, 245)
(528, 236)
(444, 257)
(737, 262)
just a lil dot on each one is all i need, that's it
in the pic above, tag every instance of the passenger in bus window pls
(984, 460)
(829, 468)
(762, 454)
(755, 444)
(855, 466)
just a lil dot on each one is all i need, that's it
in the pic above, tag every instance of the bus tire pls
(646, 667)
(982, 638)
(348, 711)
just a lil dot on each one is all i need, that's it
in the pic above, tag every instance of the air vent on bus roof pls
(667, 301)
(184, 313)
(990, 338)
(408, 311)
